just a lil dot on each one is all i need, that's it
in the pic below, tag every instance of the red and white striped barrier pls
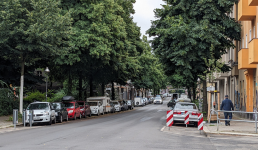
(170, 118)
(186, 117)
(200, 121)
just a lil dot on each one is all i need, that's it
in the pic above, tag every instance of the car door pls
(52, 110)
(77, 109)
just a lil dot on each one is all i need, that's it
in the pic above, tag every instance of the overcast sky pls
(144, 13)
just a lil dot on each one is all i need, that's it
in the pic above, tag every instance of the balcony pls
(253, 2)
(253, 52)
(246, 12)
(243, 59)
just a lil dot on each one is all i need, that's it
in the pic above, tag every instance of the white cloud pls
(144, 13)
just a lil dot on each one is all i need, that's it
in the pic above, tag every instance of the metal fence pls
(240, 112)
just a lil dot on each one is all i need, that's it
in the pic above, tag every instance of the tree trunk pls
(80, 85)
(194, 91)
(205, 105)
(21, 83)
(103, 88)
(113, 91)
(91, 87)
(189, 92)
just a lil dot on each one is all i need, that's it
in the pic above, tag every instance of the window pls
(250, 35)
(254, 31)
(246, 41)
(243, 44)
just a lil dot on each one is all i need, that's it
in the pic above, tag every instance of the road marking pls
(146, 118)
(162, 129)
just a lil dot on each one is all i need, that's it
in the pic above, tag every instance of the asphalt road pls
(138, 129)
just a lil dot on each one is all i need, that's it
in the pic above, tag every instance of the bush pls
(8, 101)
(57, 97)
(34, 96)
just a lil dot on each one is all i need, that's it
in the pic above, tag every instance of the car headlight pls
(70, 111)
(46, 112)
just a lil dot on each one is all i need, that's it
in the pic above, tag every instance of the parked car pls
(117, 105)
(84, 108)
(171, 103)
(152, 99)
(179, 112)
(130, 104)
(43, 113)
(145, 101)
(112, 107)
(73, 110)
(60, 111)
(105, 101)
(96, 107)
(139, 101)
(158, 100)
(124, 105)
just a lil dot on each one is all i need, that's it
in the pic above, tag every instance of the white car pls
(158, 100)
(139, 101)
(43, 112)
(117, 106)
(96, 108)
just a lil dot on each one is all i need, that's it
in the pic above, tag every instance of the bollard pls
(31, 115)
(15, 117)
(24, 117)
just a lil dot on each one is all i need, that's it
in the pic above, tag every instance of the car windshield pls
(157, 97)
(185, 106)
(69, 105)
(93, 103)
(81, 104)
(128, 102)
(56, 105)
(38, 106)
(115, 103)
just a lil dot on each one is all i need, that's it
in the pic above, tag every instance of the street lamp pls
(46, 70)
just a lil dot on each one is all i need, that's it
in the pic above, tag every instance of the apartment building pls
(241, 82)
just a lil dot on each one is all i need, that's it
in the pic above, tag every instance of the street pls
(138, 129)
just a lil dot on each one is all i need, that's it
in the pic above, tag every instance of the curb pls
(208, 133)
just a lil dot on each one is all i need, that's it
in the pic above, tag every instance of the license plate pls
(36, 118)
(182, 113)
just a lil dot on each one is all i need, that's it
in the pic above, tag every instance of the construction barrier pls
(200, 121)
(170, 118)
(186, 117)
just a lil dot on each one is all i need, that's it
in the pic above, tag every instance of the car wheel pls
(61, 119)
(50, 121)
(80, 116)
(54, 121)
(103, 112)
(85, 116)
(90, 114)
(74, 117)
(98, 113)
(67, 117)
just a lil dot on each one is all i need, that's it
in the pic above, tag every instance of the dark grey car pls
(61, 111)
(130, 104)
(112, 107)
(124, 106)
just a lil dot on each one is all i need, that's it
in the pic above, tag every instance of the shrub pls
(8, 101)
(34, 96)
(57, 97)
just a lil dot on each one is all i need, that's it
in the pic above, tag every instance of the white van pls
(138, 101)
(104, 100)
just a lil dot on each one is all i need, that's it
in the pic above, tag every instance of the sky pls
(144, 13)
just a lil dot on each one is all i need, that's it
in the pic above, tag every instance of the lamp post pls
(46, 70)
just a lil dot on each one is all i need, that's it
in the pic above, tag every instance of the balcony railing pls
(253, 52)
(246, 12)
(243, 59)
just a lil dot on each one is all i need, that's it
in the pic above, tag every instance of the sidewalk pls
(4, 123)
(235, 128)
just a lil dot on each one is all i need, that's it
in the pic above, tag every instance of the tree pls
(186, 32)
(31, 30)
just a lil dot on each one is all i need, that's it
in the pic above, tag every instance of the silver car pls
(158, 100)
(180, 109)
(43, 113)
